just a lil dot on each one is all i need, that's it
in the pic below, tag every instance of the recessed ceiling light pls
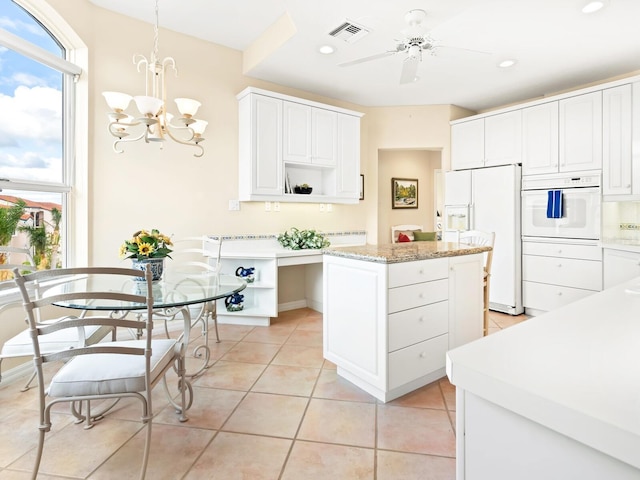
(326, 49)
(509, 62)
(592, 6)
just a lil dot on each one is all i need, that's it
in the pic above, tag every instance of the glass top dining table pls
(177, 288)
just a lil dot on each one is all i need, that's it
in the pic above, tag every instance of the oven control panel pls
(561, 180)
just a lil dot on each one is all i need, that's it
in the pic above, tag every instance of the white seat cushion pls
(99, 374)
(21, 345)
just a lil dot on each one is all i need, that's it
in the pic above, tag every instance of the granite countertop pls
(404, 252)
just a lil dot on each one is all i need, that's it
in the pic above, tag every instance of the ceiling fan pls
(416, 42)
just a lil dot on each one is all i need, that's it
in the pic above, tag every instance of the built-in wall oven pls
(563, 206)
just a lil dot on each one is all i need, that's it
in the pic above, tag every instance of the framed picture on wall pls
(404, 193)
(361, 187)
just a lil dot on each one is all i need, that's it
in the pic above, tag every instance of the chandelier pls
(156, 124)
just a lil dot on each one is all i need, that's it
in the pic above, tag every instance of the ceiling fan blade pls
(409, 69)
(437, 47)
(368, 59)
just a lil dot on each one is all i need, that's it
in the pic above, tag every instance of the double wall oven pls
(578, 216)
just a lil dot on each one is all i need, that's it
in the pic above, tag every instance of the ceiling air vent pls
(349, 32)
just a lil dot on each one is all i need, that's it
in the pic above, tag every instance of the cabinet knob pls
(559, 251)
(559, 294)
(421, 319)
(421, 295)
(423, 354)
(559, 265)
(421, 272)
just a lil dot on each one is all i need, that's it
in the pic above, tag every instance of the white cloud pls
(32, 113)
(28, 80)
(20, 26)
(30, 166)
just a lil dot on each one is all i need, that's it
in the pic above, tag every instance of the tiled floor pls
(270, 407)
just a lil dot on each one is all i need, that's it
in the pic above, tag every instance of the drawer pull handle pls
(559, 294)
(421, 272)
(559, 265)
(423, 354)
(421, 295)
(421, 319)
(559, 251)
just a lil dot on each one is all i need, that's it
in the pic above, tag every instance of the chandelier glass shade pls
(153, 122)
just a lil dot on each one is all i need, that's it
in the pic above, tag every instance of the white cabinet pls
(309, 134)
(555, 274)
(467, 144)
(286, 141)
(260, 146)
(503, 139)
(403, 316)
(620, 266)
(616, 140)
(581, 132)
(540, 139)
(487, 142)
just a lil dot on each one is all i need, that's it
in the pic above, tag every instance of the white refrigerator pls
(489, 199)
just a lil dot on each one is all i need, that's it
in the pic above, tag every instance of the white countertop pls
(575, 370)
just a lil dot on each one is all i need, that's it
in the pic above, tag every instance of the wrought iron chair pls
(195, 255)
(107, 370)
(20, 345)
(478, 237)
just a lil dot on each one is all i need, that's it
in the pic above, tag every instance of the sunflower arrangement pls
(144, 245)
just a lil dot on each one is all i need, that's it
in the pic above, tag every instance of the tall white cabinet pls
(286, 141)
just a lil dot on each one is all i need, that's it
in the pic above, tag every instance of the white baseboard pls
(19, 373)
(284, 307)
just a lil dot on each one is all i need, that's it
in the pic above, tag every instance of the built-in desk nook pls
(263, 253)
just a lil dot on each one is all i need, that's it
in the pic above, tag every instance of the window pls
(37, 94)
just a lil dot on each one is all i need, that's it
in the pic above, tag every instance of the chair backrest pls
(478, 237)
(14, 257)
(27, 285)
(197, 253)
(406, 229)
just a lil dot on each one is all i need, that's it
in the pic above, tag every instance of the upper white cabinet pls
(581, 132)
(310, 134)
(287, 141)
(540, 139)
(260, 147)
(487, 142)
(467, 145)
(503, 139)
(616, 140)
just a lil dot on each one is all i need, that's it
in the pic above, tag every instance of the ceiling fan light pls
(187, 106)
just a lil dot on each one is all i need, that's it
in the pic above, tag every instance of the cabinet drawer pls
(418, 324)
(406, 273)
(567, 272)
(412, 296)
(417, 360)
(549, 297)
(564, 250)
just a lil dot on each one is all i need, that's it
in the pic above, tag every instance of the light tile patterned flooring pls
(270, 407)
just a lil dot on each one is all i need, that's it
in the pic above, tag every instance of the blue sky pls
(30, 102)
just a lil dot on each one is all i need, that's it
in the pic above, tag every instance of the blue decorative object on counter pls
(234, 303)
(247, 274)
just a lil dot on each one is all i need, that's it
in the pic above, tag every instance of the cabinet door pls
(260, 154)
(581, 132)
(465, 299)
(540, 139)
(620, 266)
(296, 132)
(324, 141)
(467, 145)
(348, 161)
(616, 140)
(503, 139)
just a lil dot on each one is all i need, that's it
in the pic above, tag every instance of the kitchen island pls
(555, 397)
(392, 311)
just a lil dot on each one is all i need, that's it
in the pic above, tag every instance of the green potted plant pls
(146, 247)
